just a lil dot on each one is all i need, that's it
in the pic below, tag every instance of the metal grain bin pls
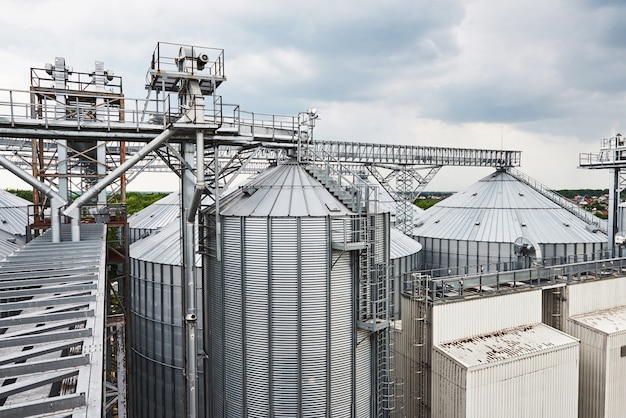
(281, 329)
(405, 258)
(153, 217)
(475, 229)
(156, 350)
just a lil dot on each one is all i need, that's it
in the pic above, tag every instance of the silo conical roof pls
(285, 190)
(159, 214)
(9, 243)
(401, 245)
(163, 246)
(500, 208)
(13, 213)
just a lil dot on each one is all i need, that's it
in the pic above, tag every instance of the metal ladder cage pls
(419, 296)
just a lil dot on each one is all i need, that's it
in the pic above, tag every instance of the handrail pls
(560, 200)
(455, 287)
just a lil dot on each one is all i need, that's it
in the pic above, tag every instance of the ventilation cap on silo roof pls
(332, 207)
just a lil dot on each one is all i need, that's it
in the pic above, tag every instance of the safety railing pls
(459, 286)
(83, 110)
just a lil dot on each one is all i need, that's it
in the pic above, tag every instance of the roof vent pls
(521, 194)
(437, 221)
(523, 223)
(419, 223)
(474, 194)
(477, 223)
(250, 190)
(566, 224)
(333, 208)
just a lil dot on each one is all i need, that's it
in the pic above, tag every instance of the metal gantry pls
(78, 141)
(612, 156)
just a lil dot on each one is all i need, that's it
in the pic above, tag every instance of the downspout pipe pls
(56, 201)
(73, 211)
(200, 185)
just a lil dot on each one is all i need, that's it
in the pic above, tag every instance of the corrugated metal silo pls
(479, 225)
(281, 330)
(405, 258)
(157, 382)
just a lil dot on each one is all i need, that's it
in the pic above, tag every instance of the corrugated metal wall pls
(281, 321)
(593, 370)
(541, 385)
(441, 253)
(156, 341)
(602, 371)
(595, 295)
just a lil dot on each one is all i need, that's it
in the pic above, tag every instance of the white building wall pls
(540, 385)
(602, 371)
(596, 295)
(616, 376)
(479, 316)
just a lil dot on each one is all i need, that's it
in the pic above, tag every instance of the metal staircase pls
(574, 209)
(373, 307)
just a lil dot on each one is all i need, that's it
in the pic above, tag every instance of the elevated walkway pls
(52, 312)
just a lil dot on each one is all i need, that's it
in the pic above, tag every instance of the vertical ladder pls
(556, 307)
(373, 311)
(419, 312)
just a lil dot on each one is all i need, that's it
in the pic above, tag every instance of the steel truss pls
(76, 134)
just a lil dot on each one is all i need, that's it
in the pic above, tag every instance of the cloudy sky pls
(547, 78)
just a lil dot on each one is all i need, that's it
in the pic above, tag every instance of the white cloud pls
(547, 78)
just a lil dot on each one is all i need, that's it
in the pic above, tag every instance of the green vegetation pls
(135, 201)
(425, 203)
(24, 194)
(572, 193)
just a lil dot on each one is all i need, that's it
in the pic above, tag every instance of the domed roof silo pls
(13, 213)
(478, 226)
(155, 216)
(281, 335)
(157, 380)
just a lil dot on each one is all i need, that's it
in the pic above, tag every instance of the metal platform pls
(52, 311)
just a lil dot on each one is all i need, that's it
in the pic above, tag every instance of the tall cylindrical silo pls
(156, 350)
(281, 334)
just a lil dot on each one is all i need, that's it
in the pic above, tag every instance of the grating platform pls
(52, 310)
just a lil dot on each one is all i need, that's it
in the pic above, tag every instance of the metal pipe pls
(56, 201)
(72, 210)
(197, 197)
(189, 275)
